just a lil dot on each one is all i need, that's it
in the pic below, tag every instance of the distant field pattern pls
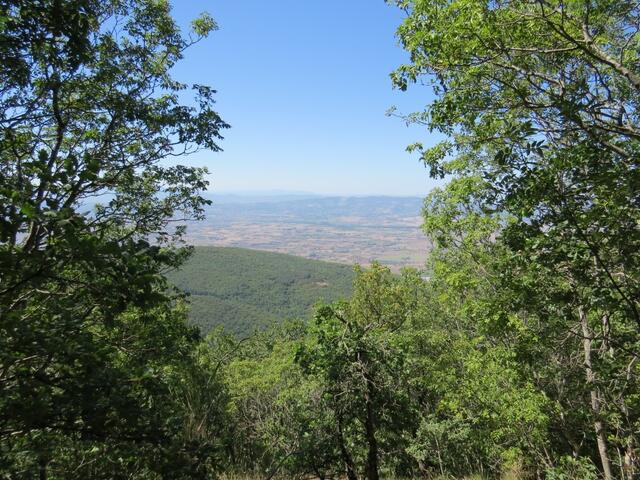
(338, 229)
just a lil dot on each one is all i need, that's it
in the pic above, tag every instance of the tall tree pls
(358, 355)
(91, 125)
(539, 100)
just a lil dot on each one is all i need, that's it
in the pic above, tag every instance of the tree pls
(478, 409)
(357, 354)
(91, 123)
(277, 424)
(539, 100)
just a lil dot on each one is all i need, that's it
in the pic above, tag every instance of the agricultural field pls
(336, 229)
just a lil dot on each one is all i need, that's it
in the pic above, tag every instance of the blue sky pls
(305, 86)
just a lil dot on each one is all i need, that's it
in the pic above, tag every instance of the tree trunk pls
(370, 432)
(629, 464)
(42, 470)
(600, 432)
(346, 457)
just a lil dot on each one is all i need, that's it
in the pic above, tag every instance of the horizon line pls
(277, 192)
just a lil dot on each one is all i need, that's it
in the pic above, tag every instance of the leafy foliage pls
(90, 338)
(517, 358)
(539, 101)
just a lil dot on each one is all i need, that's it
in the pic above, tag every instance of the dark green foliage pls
(278, 424)
(90, 341)
(246, 290)
(536, 233)
(394, 382)
(357, 353)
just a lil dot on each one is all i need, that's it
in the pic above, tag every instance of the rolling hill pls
(244, 290)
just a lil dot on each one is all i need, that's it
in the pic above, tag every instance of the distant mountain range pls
(258, 197)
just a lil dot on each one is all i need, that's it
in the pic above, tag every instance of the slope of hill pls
(248, 289)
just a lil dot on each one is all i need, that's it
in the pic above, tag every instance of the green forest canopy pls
(247, 290)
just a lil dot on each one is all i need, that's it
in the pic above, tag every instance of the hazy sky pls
(305, 86)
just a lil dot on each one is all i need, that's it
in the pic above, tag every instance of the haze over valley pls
(336, 229)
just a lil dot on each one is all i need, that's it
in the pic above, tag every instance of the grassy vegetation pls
(245, 290)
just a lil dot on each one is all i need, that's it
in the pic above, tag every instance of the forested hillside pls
(244, 290)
